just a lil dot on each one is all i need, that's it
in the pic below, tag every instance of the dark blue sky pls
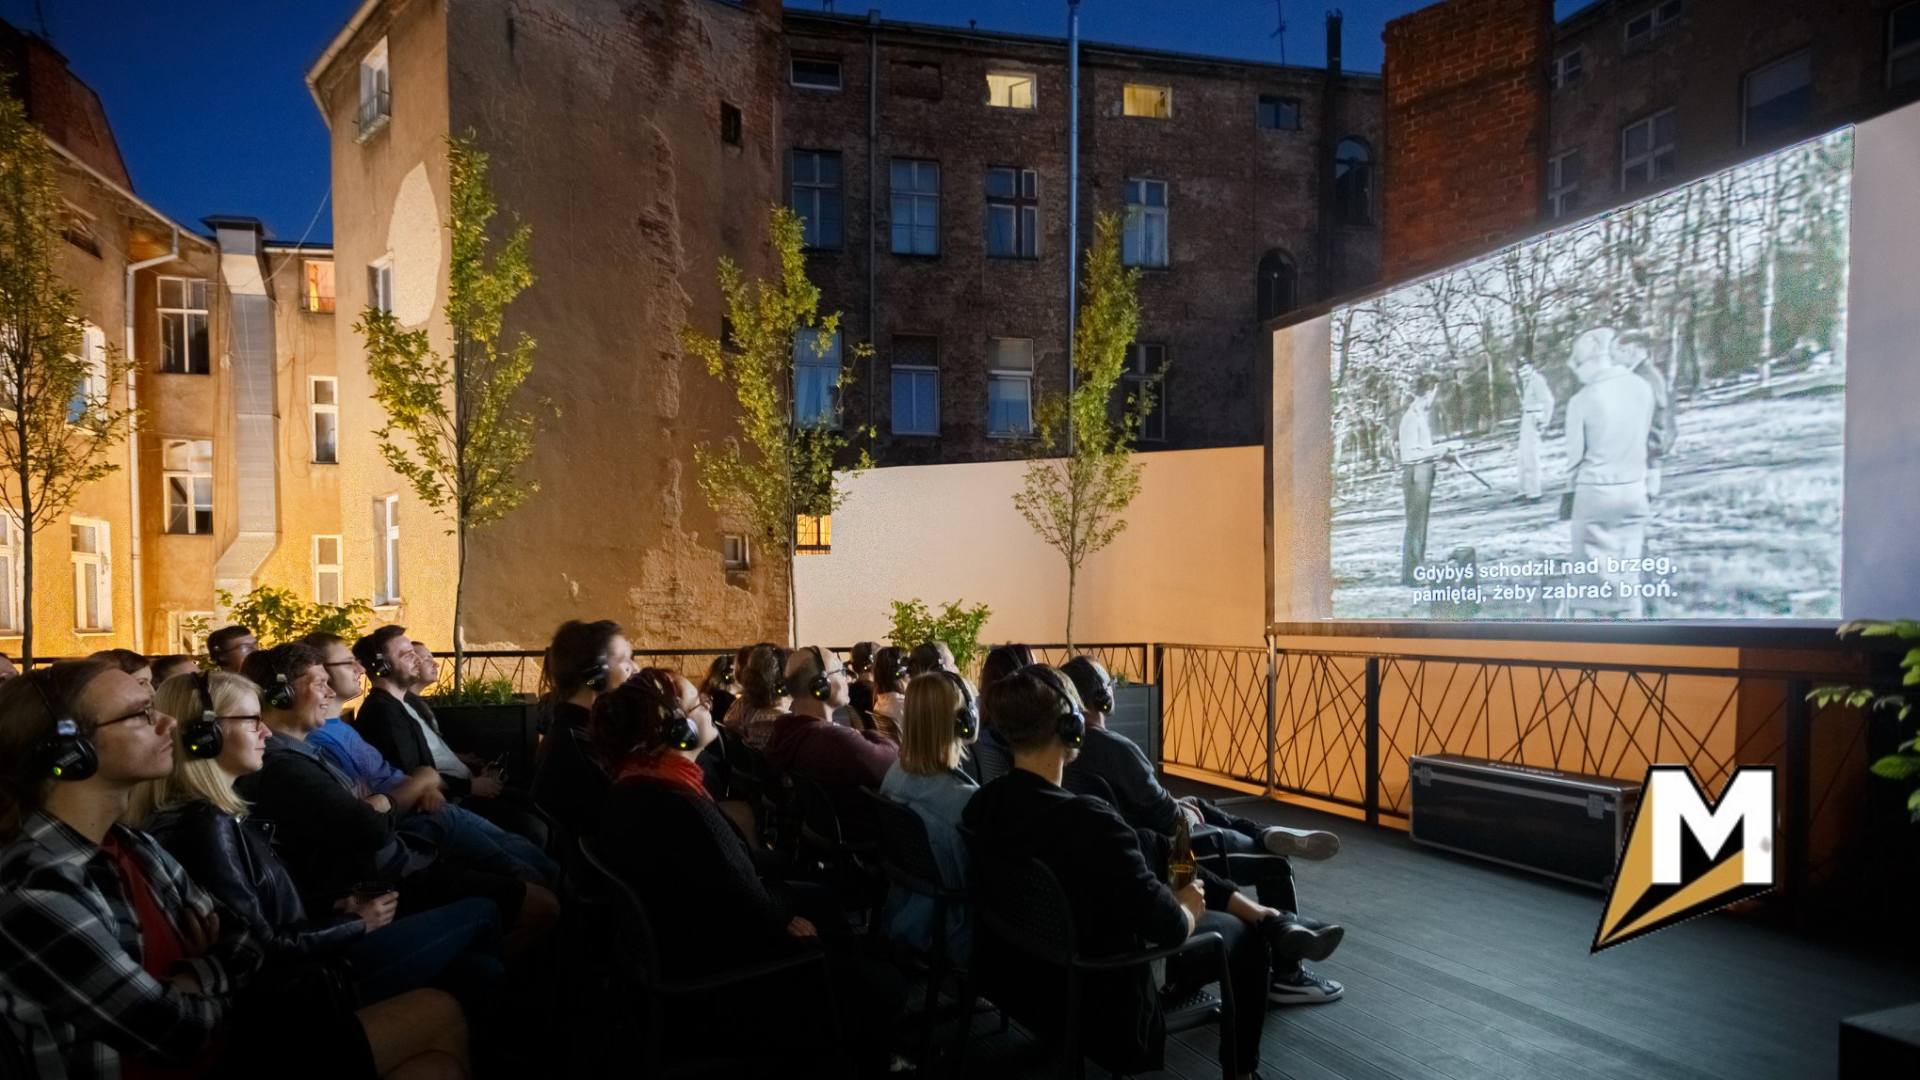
(209, 102)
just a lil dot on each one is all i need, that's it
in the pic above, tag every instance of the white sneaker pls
(1314, 844)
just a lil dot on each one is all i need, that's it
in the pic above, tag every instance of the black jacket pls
(234, 861)
(328, 838)
(1113, 877)
(1138, 794)
(383, 721)
(569, 782)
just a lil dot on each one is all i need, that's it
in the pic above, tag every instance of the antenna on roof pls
(40, 12)
(1280, 31)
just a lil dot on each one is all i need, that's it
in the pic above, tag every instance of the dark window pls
(1646, 150)
(1777, 100)
(1279, 113)
(1642, 27)
(1353, 183)
(914, 79)
(1563, 183)
(1145, 374)
(730, 124)
(1013, 213)
(916, 385)
(1279, 284)
(1567, 69)
(1903, 46)
(814, 73)
(916, 206)
(814, 194)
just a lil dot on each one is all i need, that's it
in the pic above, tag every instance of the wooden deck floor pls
(1460, 969)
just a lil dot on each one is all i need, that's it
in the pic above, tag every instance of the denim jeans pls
(455, 947)
(474, 842)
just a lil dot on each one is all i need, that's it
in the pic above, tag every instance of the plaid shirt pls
(73, 992)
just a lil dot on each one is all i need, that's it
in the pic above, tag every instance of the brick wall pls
(1466, 115)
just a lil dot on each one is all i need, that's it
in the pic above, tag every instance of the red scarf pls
(669, 768)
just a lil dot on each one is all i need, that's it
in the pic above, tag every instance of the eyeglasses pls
(148, 716)
(251, 723)
(343, 663)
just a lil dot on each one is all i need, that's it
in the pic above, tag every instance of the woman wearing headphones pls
(195, 813)
(890, 691)
(584, 661)
(942, 720)
(664, 835)
(764, 696)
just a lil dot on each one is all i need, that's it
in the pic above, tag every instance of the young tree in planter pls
(779, 466)
(54, 381)
(466, 433)
(1076, 502)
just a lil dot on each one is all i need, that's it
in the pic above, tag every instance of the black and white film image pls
(1640, 416)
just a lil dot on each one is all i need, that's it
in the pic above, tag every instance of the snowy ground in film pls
(1749, 513)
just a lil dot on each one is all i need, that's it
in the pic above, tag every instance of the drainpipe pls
(1073, 193)
(873, 184)
(133, 448)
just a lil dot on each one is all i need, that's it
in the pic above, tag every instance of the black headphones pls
(819, 686)
(1071, 725)
(202, 737)
(377, 665)
(277, 696)
(1095, 691)
(676, 727)
(64, 753)
(901, 668)
(726, 668)
(595, 675)
(966, 719)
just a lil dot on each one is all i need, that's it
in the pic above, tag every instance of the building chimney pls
(1334, 19)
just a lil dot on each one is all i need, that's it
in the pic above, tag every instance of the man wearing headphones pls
(806, 742)
(229, 647)
(1114, 887)
(75, 739)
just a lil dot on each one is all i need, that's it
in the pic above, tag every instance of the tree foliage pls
(277, 616)
(1077, 502)
(458, 429)
(1903, 765)
(774, 468)
(60, 423)
(956, 625)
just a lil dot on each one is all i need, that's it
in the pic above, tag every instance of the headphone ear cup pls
(203, 737)
(66, 754)
(1073, 727)
(821, 688)
(280, 694)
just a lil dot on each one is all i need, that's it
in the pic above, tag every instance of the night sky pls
(209, 102)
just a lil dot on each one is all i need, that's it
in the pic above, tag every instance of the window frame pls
(812, 534)
(916, 199)
(1141, 212)
(311, 300)
(1651, 156)
(315, 410)
(793, 73)
(386, 548)
(380, 283)
(78, 227)
(818, 187)
(1015, 77)
(375, 108)
(186, 314)
(1657, 23)
(337, 568)
(1558, 75)
(1162, 101)
(914, 372)
(1282, 258)
(733, 124)
(1370, 196)
(1023, 206)
(1277, 101)
(833, 360)
(1561, 192)
(1135, 376)
(736, 553)
(168, 476)
(12, 543)
(1746, 92)
(90, 395)
(97, 563)
(1024, 376)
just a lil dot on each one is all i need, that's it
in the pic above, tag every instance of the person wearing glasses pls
(111, 958)
(806, 742)
(195, 814)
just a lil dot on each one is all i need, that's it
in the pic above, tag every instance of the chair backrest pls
(1020, 901)
(636, 928)
(995, 759)
(818, 814)
(906, 848)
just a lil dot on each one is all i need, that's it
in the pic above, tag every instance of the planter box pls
(1136, 714)
(491, 731)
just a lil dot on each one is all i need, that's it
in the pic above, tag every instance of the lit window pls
(326, 570)
(323, 418)
(380, 284)
(814, 194)
(1903, 46)
(1563, 183)
(376, 101)
(916, 207)
(1777, 100)
(816, 378)
(386, 550)
(1009, 386)
(318, 294)
(813, 535)
(1154, 102)
(1013, 213)
(1646, 150)
(183, 325)
(10, 571)
(1145, 373)
(1568, 69)
(90, 392)
(1279, 113)
(916, 385)
(92, 575)
(813, 73)
(187, 475)
(1145, 240)
(1010, 90)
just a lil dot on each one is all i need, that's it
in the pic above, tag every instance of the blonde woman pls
(940, 721)
(195, 813)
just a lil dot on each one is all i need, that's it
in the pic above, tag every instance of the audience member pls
(166, 667)
(763, 695)
(584, 661)
(7, 670)
(130, 662)
(719, 688)
(389, 964)
(332, 840)
(1255, 854)
(1116, 890)
(992, 757)
(942, 720)
(929, 655)
(890, 691)
(860, 692)
(692, 869)
(229, 647)
(806, 742)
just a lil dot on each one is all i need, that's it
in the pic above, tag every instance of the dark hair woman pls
(584, 661)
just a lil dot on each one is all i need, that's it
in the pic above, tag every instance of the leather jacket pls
(235, 861)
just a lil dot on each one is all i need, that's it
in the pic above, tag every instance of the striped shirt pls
(73, 993)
